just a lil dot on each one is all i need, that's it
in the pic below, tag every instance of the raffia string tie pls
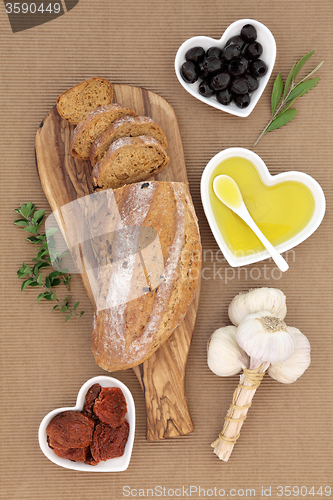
(254, 378)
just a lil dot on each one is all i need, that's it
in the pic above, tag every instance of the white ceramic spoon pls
(228, 192)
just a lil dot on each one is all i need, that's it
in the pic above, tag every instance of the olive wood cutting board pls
(65, 179)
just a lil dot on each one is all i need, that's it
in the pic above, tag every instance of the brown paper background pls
(287, 437)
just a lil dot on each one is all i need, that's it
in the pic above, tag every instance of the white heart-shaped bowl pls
(264, 36)
(113, 465)
(269, 180)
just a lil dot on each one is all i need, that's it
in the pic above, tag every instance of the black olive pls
(220, 81)
(249, 33)
(238, 66)
(239, 86)
(252, 82)
(258, 68)
(224, 97)
(242, 101)
(203, 73)
(231, 52)
(210, 66)
(195, 55)
(244, 49)
(254, 50)
(189, 72)
(205, 89)
(214, 51)
(236, 40)
(245, 61)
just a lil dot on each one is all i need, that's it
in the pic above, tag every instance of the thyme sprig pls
(46, 257)
(285, 94)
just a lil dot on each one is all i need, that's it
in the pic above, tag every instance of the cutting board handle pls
(162, 378)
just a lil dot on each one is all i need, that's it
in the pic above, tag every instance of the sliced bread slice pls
(78, 101)
(93, 125)
(127, 126)
(128, 160)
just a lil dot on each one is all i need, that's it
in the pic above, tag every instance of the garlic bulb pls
(225, 357)
(290, 370)
(258, 299)
(265, 338)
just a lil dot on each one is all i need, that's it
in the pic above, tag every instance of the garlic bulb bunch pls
(265, 338)
(292, 368)
(256, 300)
(260, 341)
(225, 358)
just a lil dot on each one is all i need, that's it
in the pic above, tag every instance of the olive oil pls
(280, 211)
(227, 191)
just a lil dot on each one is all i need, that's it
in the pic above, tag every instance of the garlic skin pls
(258, 299)
(292, 368)
(265, 338)
(224, 356)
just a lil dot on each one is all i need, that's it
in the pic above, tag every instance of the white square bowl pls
(264, 36)
(269, 180)
(118, 464)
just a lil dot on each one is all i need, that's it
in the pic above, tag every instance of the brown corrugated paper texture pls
(287, 438)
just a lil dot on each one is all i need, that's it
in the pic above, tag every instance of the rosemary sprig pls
(32, 274)
(285, 94)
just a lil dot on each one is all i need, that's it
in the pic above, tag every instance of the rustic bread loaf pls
(93, 125)
(74, 104)
(127, 126)
(126, 334)
(128, 160)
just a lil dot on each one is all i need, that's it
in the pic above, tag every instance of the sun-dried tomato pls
(111, 407)
(73, 454)
(109, 442)
(98, 433)
(92, 394)
(70, 429)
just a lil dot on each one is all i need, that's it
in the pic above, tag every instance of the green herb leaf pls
(301, 62)
(31, 229)
(31, 221)
(38, 216)
(312, 72)
(40, 265)
(24, 211)
(54, 274)
(277, 92)
(51, 231)
(81, 313)
(33, 239)
(282, 119)
(25, 284)
(288, 81)
(21, 222)
(302, 88)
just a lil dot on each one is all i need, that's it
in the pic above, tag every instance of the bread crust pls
(118, 167)
(93, 125)
(126, 126)
(80, 96)
(125, 335)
